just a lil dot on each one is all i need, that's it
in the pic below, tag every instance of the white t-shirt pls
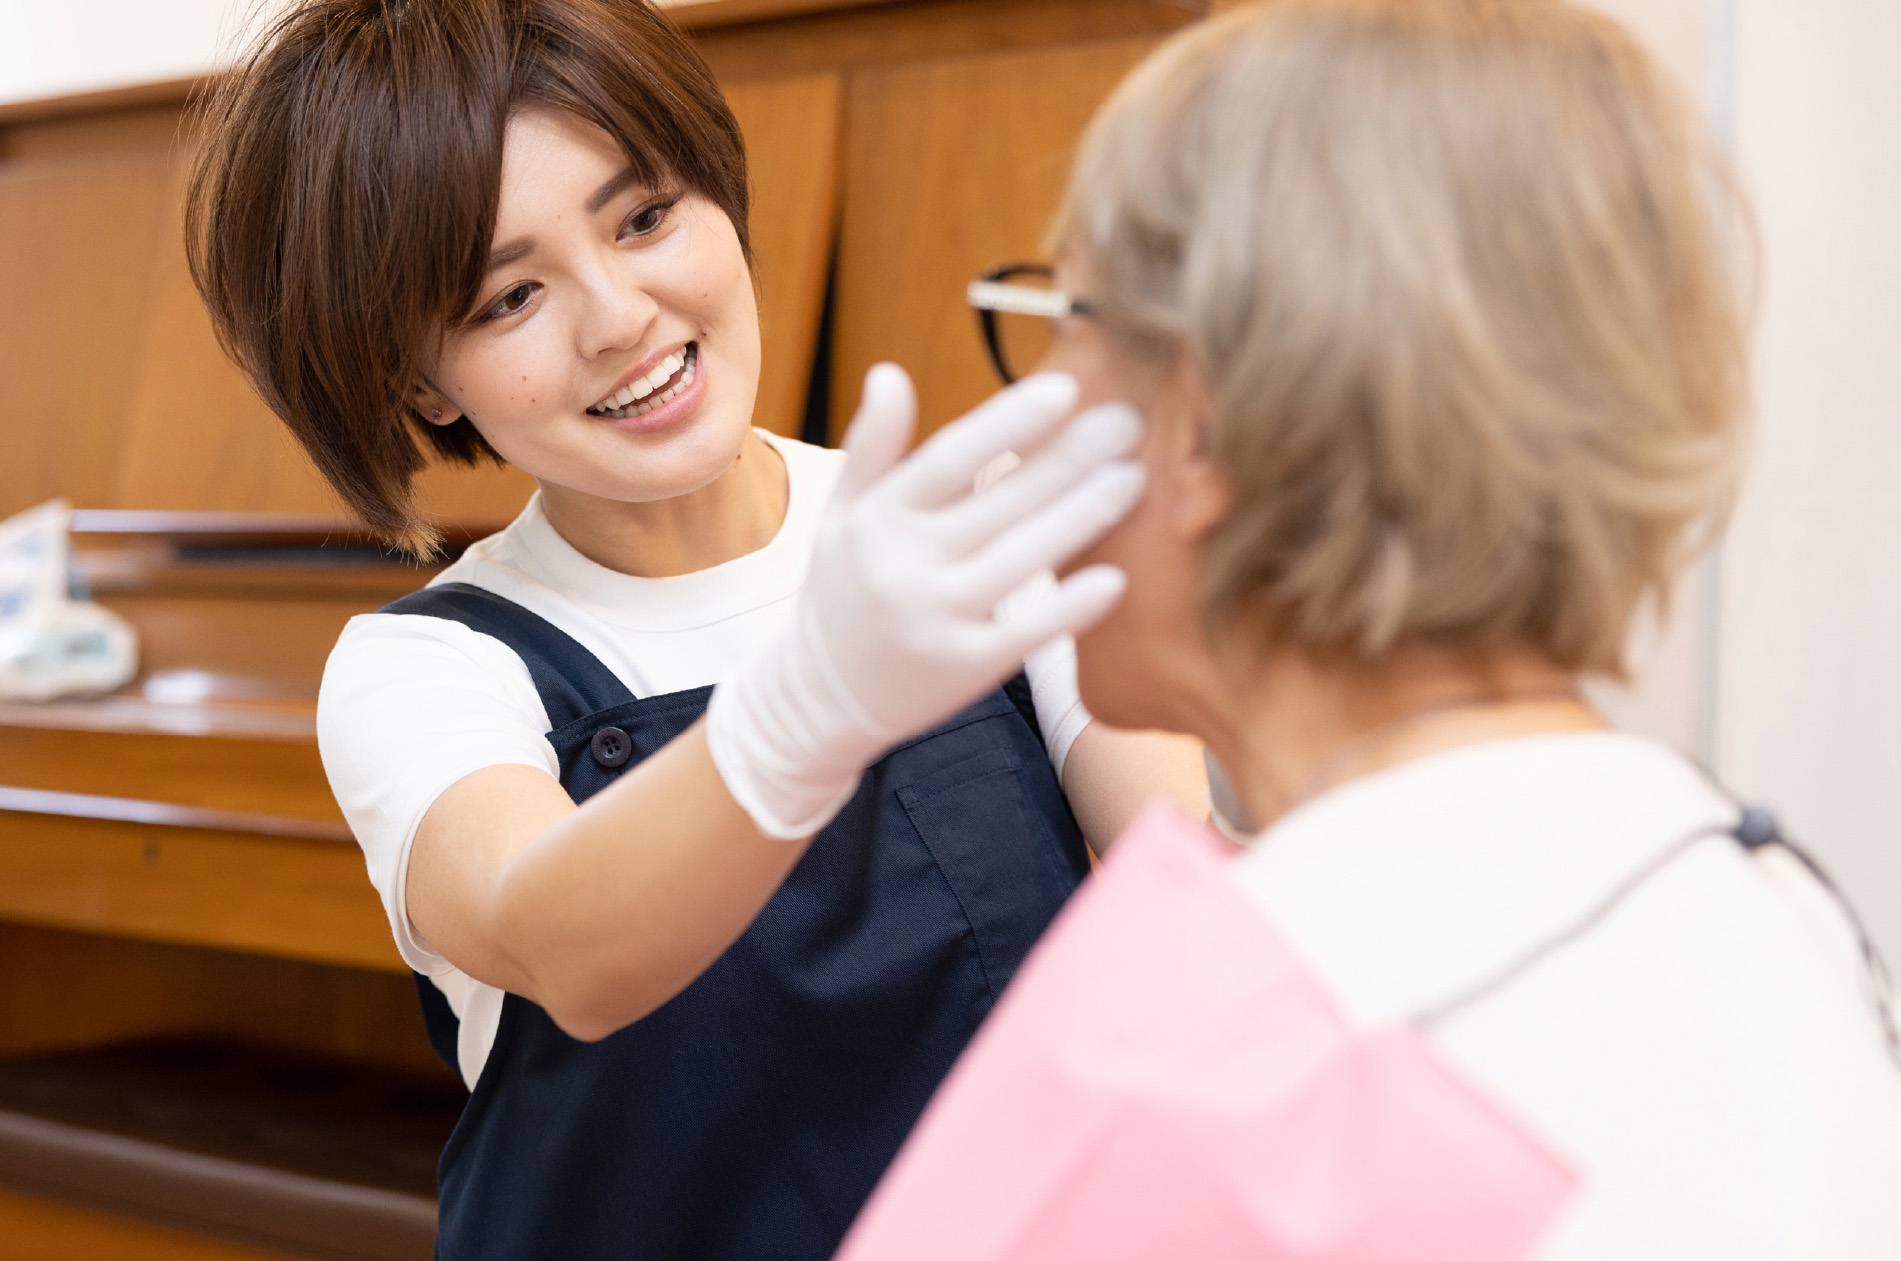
(1704, 1056)
(411, 704)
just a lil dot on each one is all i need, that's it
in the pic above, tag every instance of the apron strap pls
(572, 681)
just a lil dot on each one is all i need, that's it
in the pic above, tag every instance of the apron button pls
(611, 747)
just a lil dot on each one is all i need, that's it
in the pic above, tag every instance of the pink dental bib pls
(1167, 1078)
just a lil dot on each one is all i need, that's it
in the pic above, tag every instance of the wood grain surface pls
(40, 1230)
(295, 899)
(792, 138)
(985, 142)
(77, 235)
(61, 989)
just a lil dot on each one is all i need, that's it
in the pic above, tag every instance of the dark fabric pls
(751, 1116)
(438, 1019)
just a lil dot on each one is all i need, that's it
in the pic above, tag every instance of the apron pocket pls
(975, 820)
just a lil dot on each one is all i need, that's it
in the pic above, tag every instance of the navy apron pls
(750, 1116)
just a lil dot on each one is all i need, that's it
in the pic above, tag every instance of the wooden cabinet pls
(170, 860)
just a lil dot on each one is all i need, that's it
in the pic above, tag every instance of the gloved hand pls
(896, 628)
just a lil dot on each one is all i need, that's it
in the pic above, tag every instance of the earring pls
(435, 413)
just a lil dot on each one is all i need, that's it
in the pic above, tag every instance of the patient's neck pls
(1301, 724)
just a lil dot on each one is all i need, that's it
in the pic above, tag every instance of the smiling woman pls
(336, 339)
(612, 350)
(704, 663)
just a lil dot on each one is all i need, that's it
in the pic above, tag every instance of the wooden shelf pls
(272, 1148)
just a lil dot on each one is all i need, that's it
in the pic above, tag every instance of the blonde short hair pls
(1455, 273)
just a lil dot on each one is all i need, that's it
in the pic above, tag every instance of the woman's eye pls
(512, 301)
(647, 220)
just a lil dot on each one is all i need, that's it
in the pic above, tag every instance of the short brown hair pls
(342, 205)
(1455, 272)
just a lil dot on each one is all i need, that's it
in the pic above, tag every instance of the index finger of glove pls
(1046, 538)
(880, 429)
(945, 467)
(1097, 436)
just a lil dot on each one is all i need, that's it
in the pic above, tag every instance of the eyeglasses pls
(1015, 304)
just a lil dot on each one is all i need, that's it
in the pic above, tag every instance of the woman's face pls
(614, 350)
(1146, 664)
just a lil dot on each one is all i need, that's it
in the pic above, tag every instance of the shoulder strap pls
(572, 681)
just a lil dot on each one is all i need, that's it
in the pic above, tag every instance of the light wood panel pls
(848, 38)
(296, 899)
(986, 143)
(282, 640)
(267, 776)
(197, 436)
(144, 130)
(700, 14)
(792, 142)
(76, 240)
(40, 1230)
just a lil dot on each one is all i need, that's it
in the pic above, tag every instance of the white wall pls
(1810, 677)
(1794, 691)
(56, 47)
(59, 47)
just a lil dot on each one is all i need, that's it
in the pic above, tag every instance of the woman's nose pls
(617, 311)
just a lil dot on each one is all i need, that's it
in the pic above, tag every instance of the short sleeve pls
(409, 705)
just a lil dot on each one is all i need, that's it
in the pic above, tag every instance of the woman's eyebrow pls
(610, 190)
(513, 252)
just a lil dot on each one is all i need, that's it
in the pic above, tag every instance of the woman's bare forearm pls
(599, 913)
(1111, 774)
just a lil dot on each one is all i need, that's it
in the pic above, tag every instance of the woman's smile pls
(665, 394)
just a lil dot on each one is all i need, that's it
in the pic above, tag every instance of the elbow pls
(588, 993)
(589, 1009)
(583, 1024)
(590, 988)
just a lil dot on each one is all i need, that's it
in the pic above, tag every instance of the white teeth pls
(617, 404)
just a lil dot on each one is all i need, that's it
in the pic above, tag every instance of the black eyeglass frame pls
(992, 293)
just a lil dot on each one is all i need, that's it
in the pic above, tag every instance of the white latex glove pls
(1055, 693)
(895, 629)
(1051, 669)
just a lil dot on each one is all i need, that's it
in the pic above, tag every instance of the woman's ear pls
(1202, 496)
(432, 406)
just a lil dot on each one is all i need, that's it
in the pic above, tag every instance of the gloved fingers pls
(1045, 539)
(880, 430)
(1079, 602)
(1024, 594)
(944, 468)
(1094, 438)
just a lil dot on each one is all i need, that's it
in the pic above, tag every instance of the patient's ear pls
(432, 406)
(1202, 496)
